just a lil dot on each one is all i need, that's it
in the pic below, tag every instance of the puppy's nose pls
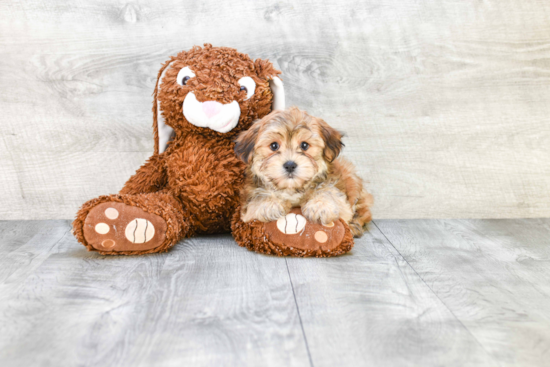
(290, 166)
(211, 108)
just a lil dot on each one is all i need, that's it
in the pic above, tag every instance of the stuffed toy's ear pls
(278, 90)
(162, 132)
(265, 69)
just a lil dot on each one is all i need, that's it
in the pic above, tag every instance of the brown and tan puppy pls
(203, 99)
(293, 162)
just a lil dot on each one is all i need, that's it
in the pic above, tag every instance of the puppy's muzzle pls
(290, 166)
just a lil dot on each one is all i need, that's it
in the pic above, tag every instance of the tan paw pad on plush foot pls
(295, 231)
(117, 227)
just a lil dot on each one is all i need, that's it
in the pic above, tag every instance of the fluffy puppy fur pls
(292, 160)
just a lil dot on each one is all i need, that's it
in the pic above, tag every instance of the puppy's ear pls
(333, 140)
(244, 144)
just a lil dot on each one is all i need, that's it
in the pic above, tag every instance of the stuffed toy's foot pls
(120, 227)
(293, 235)
(128, 224)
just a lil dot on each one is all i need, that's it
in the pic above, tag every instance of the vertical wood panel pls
(444, 102)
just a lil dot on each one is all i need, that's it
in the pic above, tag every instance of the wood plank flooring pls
(411, 293)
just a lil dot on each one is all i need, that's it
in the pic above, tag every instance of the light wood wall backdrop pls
(446, 103)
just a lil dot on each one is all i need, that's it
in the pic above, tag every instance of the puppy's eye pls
(184, 75)
(304, 145)
(247, 84)
(274, 146)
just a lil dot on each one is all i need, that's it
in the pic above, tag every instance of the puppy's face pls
(289, 148)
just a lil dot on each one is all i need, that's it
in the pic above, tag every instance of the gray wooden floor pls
(411, 293)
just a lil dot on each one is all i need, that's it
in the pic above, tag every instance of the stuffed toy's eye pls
(248, 85)
(184, 75)
(304, 145)
(274, 146)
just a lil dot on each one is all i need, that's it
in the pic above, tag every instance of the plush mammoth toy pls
(203, 98)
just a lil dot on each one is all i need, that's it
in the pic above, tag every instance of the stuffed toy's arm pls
(151, 177)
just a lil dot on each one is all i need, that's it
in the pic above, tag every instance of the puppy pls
(292, 160)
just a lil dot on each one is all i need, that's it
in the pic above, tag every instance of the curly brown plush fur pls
(256, 237)
(161, 204)
(193, 186)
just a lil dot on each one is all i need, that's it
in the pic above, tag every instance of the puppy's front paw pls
(265, 211)
(321, 211)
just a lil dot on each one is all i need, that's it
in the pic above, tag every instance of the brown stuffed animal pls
(203, 98)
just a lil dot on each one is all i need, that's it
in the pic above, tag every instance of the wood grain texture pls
(206, 303)
(16, 234)
(419, 293)
(370, 308)
(444, 102)
(492, 274)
